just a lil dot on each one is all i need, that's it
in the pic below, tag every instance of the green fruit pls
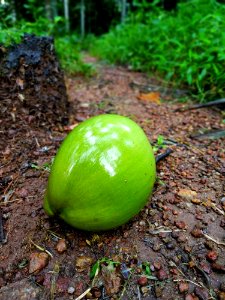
(102, 174)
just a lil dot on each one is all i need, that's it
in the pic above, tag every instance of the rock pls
(183, 287)
(22, 290)
(142, 281)
(201, 293)
(197, 232)
(83, 262)
(157, 265)
(61, 246)
(71, 290)
(38, 261)
(180, 224)
(162, 275)
(187, 194)
(212, 256)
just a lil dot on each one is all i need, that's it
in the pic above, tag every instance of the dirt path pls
(174, 249)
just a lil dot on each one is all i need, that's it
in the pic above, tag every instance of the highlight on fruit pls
(102, 175)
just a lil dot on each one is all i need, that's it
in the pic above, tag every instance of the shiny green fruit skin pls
(102, 174)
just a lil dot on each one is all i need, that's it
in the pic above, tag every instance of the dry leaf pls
(83, 263)
(150, 97)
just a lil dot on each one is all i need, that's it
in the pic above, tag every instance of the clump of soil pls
(173, 249)
(32, 84)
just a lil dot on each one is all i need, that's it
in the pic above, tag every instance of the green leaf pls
(95, 269)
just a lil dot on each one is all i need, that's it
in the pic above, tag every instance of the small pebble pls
(142, 281)
(162, 275)
(71, 290)
(180, 224)
(197, 232)
(212, 255)
(183, 287)
(61, 246)
(38, 261)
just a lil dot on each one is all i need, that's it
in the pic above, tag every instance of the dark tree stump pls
(32, 87)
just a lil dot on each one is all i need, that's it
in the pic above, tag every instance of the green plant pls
(160, 143)
(68, 51)
(187, 48)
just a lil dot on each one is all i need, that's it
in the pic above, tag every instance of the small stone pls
(182, 237)
(156, 247)
(197, 232)
(180, 224)
(170, 245)
(212, 255)
(142, 281)
(38, 261)
(183, 287)
(157, 265)
(61, 246)
(187, 194)
(71, 290)
(201, 293)
(205, 267)
(22, 193)
(162, 275)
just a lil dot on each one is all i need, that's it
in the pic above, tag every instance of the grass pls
(186, 47)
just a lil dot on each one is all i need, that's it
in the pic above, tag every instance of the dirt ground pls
(173, 249)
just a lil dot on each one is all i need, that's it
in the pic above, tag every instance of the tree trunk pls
(82, 18)
(66, 15)
(123, 10)
(54, 8)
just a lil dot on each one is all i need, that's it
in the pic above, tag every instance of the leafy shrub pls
(186, 47)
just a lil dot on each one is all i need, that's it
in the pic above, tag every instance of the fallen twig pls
(84, 294)
(213, 240)
(163, 155)
(2, 234)
(41, 248)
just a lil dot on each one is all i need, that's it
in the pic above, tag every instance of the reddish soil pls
(173, 249)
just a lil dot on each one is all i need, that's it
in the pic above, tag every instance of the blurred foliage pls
(185, 46)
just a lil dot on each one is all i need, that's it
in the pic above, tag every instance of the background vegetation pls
(182, 42)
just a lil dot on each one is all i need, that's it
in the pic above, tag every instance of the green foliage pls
(186, 47)
(68, 51)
